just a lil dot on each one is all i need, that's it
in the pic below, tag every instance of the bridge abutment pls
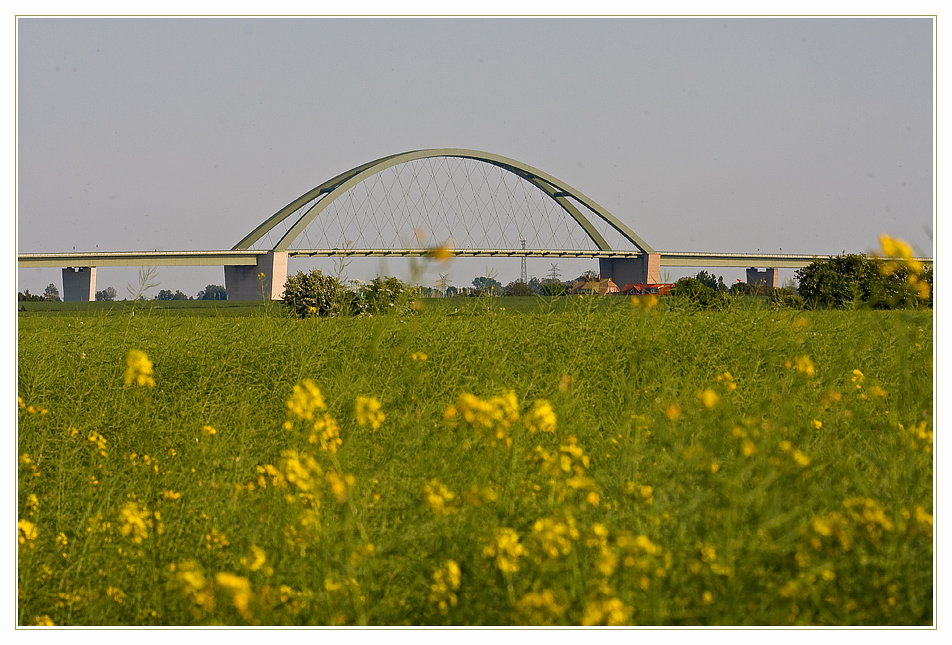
(645, 269)
(79, 284)
(242, 281)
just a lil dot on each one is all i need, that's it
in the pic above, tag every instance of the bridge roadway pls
(79, 276)
(250, 257)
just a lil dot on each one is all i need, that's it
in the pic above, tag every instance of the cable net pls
(466, 203)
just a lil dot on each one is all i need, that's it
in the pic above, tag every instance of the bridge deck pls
(250, 257)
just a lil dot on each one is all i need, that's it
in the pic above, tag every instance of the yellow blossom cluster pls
(339, 485)
(135, 521)
(138, 369)
(917, 436)
(490, 418)
(368, 412)
(446, 581)
(898, 255)
(193, 584)
(438, 498)
(802, 364)
(727, 380)
(31, 409)
(26, 533)
(706, 560)
(99, 441)
(540, 608)
(798, 457)
(540, 417)
(239, 588)
(505, 550)
(611, 612)
(566, 469)
(554, 536)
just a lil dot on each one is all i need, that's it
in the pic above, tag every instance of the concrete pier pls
(244, 283)
(767, 277)
(79, 284)
(645, 269)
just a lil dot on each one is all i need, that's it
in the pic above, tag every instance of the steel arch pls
(333, 188)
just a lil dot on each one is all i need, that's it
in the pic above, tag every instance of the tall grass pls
(740, 467)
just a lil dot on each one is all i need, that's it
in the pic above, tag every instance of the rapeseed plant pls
(138, 369)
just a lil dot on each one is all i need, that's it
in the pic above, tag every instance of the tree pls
(484, 283)
(213, 292)
(517, 288)
(51, 293)
(708, 279)
(165, 294)
(28, 297)
(553, 288)
(106, 295)
(835, 283)
(697, 294)
(535, 285)
(849, 280)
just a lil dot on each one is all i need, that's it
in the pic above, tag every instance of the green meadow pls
(491, 461)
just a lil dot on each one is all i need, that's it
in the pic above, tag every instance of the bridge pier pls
(645, 269)
(242, 281)
(766, 277)
(79, 284)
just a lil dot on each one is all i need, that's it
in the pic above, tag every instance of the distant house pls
(644, 289)
(600, 287)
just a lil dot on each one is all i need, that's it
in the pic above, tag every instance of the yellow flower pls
(554, 536)
(611, 612)
(26, 533)
(418, 356)
(443, 252)
(439, 498)
(505, 550)
(208, 430)
(804, 365)
(339, 485)
(43, 621)
(709, 398)
(240, 590)
(540, 417)
(673, 411)
(540, 608)
(136, 521)
(305, 401)
(728, 380)
(138, 369)
(367, 410)
(256, 560)
(446, 580)
(116, 594)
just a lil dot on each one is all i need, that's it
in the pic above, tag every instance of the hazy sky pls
(702, 134)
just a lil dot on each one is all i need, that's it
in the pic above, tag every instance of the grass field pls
(480, 462)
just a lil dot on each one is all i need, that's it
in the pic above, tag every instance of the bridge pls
(444, 202)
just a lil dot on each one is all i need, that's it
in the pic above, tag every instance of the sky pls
(715, 134)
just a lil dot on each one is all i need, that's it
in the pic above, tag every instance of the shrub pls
(383, 295)
(517, 288)
(697, 294)
(784, 298)
(836, 283)
(316, 294)
(853, 279)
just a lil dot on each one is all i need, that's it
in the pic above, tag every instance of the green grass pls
(735, 529)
